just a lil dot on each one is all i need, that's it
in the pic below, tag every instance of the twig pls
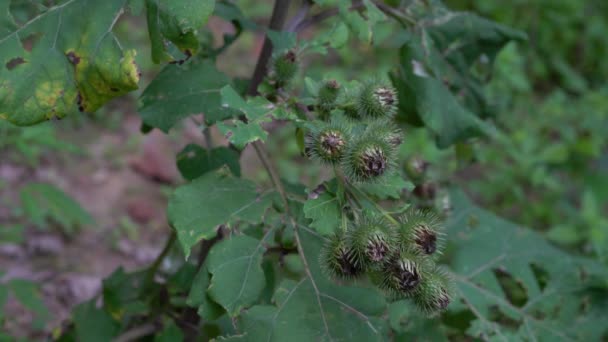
(302, 107)
(319, 17)
(272, 172)
(297, 19)
(401, 17)
(277, 20)
(136, 333)
(159, 259)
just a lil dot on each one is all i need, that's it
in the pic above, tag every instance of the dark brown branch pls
(279, 14)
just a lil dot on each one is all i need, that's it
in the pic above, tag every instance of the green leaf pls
(28, 294)
(389, 187)
(237, 277)
(171, 333)
(196, 209)
(93, 324)
(486, 250)
(122, 293)
(12, 233)
(199, 298)
(240, 134)
(176, 21)
(409, 325)
(282, 40)
(443, 68)
(423, 97)
(42, 202)
(256, 111)
(4, 290)
(230, 12)
(76, 63)
(324, 211)
(183, 90)
(194, 161)
(315, 309)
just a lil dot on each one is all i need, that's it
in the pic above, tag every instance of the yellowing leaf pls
(62, 62)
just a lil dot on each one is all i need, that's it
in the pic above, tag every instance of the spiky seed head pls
(337, 259)
(327, 142)
(421, 230)
(284, 67)
(386, 130)
(368, 158)
(377, 100)
(328, 93)
(415, 168)
(372, 240)
(403, 273)
(434, 293)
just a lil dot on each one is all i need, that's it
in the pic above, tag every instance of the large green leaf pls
(62, 61)
(176, 21)
(423, 96)
(196, 209)
(316, 309)
(486, 251)
(237, 276)
(443, 68)
(183, 90)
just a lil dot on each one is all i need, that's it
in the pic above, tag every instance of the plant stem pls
(277, 20)
(272, 172)
(401, 17)
(376, 205)
(163, 254)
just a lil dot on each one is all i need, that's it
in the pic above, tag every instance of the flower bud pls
(377, 100)
(368, 158)
(284, 67)
(328, 93)
(415, 168)
(401, 276)
(433, 295)
(337, 258)
(386, 130)
(327, 142)
(422, 231)
(372, 240)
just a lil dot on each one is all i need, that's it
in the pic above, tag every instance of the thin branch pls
(279, 14)
(272, 172)
(401, 17)
(163, 254)
(138, 332)
(297, 19)
(322, 16)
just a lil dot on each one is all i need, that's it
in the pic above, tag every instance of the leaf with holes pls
(237, 278)
(63, 62)
(197, 209)
(493, 258)
(315, 309)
